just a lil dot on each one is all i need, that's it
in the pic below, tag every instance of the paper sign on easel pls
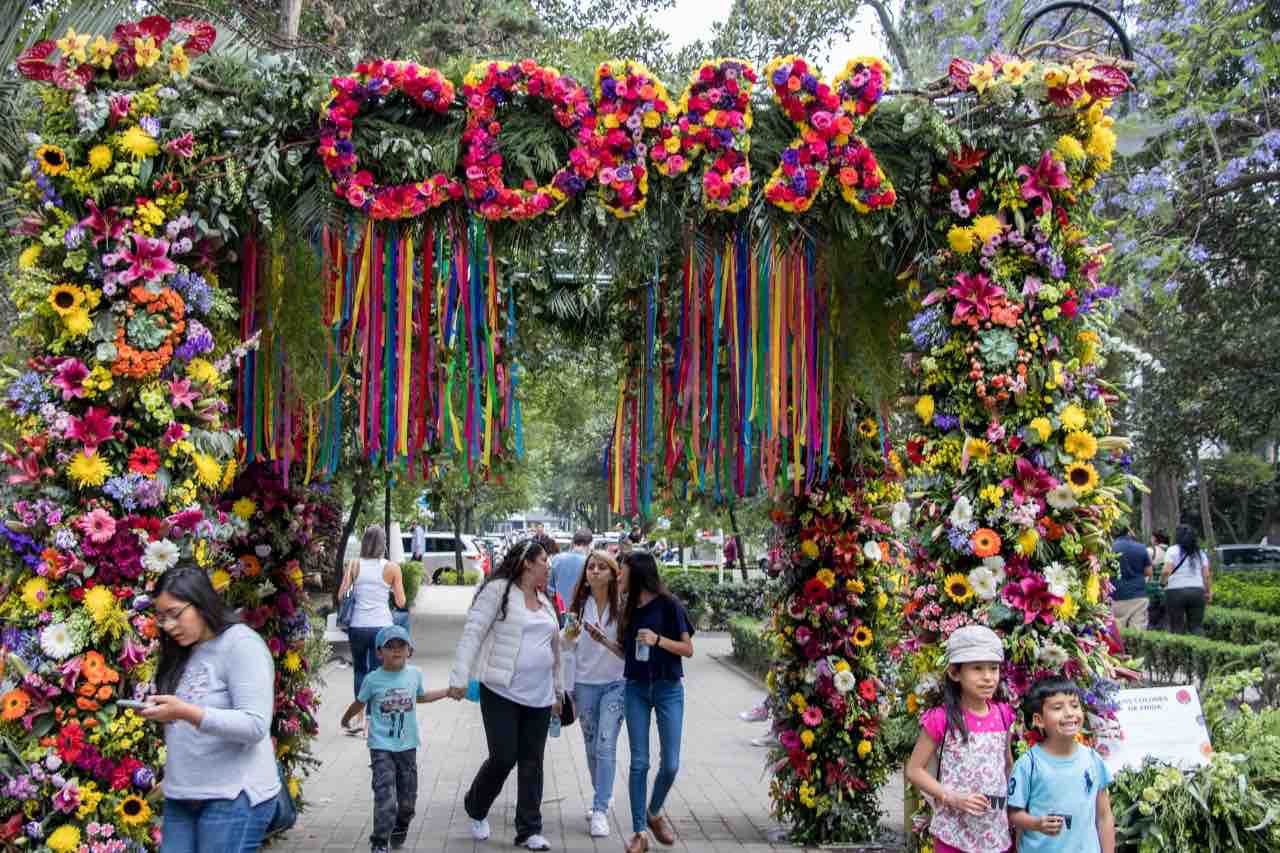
(1165, 723)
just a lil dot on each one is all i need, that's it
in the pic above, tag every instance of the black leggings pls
(1185, 608)
(517, 735)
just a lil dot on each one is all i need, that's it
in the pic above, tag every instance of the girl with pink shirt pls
(970, 786)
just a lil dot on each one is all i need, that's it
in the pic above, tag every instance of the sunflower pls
(979, 450)
(133, 811)
(66, 297)
(15, 704)
(986, 542)
(862, 636)
(957, 587)
(1081, 445)
(52, 160)
(867, 428)
(1082, 477)
(88, 470)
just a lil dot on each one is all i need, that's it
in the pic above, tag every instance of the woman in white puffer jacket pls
(511, 645)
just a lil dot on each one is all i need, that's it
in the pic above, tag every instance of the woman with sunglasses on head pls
(215, 693)
(599, 689)
(656, 635)
(511, 644)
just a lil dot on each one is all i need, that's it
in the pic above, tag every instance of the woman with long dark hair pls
(599, 689)
(511, 645)
(656, 635)
(215, 693)
(1188, 582)
(375, 581)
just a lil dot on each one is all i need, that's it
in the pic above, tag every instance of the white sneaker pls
(537, 842)
(599, 825)
(480, 829)
(589, 815)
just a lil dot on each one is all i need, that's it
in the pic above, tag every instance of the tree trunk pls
(1166, 510)
(1206, 516)
(458, 513)
(737, 543)
(386, 518)
(290, 18)
(359, 489)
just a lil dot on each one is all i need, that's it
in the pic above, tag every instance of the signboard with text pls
(1165, 723)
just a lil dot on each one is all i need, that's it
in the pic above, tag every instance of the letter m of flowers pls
(828, 118)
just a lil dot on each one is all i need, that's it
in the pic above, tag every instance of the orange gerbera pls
(15, 703)
(986, 542)
(250, 566)
(95, 670)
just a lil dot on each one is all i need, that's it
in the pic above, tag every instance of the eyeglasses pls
(163, 619)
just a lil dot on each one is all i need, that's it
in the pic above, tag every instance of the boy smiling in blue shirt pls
(1058, 794)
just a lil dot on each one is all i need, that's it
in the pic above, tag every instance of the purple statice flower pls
(149, 493)
(122, 489)
(958, 537)
(21, 788)
(28, 393)
(151, 125)
(199, 341)
(74, 237)
(946, 423)
(195, 291)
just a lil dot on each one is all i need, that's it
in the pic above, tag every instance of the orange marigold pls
(986, 542)
(15, 703)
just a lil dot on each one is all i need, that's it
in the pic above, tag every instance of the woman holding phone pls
(591, 628)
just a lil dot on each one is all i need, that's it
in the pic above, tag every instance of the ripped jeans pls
(600, 710)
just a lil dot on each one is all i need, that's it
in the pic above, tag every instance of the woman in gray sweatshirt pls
(214, 693)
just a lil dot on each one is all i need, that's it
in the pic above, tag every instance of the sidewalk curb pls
(728, 662)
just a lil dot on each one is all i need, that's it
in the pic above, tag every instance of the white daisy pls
(57, 641)
(1061, 497)
(983, 582)
(901, 514)
(844, 681)
(159, 556)
(1059, 578)
(995, 565)
(871, 550)
(962, 512)
(1052, 655)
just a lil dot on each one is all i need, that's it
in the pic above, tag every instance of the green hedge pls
(1258, 591)
(710, 604)
(449, 577)
(1246, 627)
(1174, 658)
(750, 647)
(412, 573)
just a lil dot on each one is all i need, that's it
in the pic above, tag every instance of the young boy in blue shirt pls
(390, 692)
(1058, 794)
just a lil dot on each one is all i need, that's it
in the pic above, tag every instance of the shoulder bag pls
(347, 605)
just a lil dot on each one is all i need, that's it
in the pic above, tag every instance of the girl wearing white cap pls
(970, 786)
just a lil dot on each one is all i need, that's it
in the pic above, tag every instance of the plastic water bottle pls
(642, 651)
(554, 728)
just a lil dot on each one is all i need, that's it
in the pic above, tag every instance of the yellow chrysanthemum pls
(208, 471)
(1093, 588)
(986, 227)
(88, 470)
(100, 602)
(90, 796)
(827, 577)
(1027, 541)
(1042, 427)
(809, 548)
(201, 370)
(244, 508)
(1082, 477)
(100, 158)
(882, 601)
(77, 323)
(292, 661)
(842, 666)
(855, 586)
(1081, 445)
(52, 160)
(1102, 142)
(864, 748)
(65, 297)
(979, 451)
(992, 494)
(1073, 418)
(924, 408)
(1070, 148)
(29, 257)
(806, 738)
(1068, 608)
(221, 579)
(957, 588)
(228, 474)
(133, 811)
(962, 240)
(35, 593)
(64, 839)
(139, 143)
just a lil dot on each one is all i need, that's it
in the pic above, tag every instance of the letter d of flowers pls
(828, 118)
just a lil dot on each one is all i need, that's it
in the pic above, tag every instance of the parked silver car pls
(1247, 558)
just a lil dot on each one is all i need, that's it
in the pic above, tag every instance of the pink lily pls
(1031, 595)
(975, 296)
(181, 394)
(1029, 482)
(149, 261)
(93, 429)
(104, 225)
(1048, 175)
(70, 378)
(28, 469)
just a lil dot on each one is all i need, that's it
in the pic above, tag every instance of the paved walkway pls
(719, 803)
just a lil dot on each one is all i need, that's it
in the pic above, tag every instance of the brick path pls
(719, 803)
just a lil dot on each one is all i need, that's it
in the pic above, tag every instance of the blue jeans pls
(665, 699)
(600, 708)
(215, 826)
(364, 656)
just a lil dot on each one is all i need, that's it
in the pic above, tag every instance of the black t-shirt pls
(667, 618)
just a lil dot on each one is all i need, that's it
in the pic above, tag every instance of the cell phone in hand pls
(134, 704)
